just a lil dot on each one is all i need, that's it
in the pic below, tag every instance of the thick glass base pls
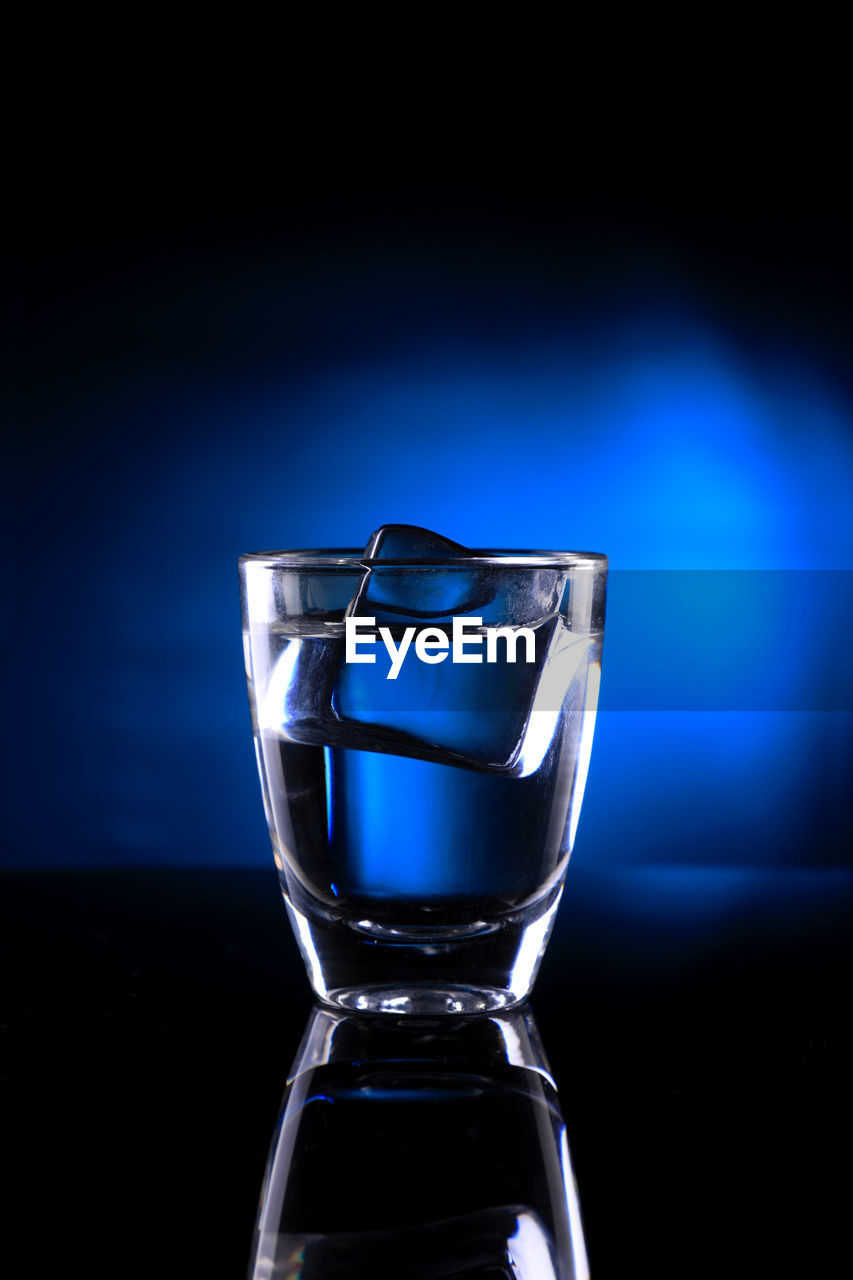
(424, 1002)
(464, 968)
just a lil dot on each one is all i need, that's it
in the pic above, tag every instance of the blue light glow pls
(666, 446)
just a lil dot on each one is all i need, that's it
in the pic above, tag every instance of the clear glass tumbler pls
(423, 732)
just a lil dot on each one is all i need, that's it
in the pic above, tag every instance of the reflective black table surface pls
(696, 1024)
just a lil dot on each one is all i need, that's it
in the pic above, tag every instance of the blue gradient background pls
(187, 399)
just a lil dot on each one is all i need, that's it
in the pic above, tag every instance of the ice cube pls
(501, 595)
(411, 542)
(393, 593)
(494, 715)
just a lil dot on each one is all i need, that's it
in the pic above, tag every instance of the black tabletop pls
(695, 1022)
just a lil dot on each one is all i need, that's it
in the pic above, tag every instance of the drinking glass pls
(423, 731)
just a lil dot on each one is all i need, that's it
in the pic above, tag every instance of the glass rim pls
(352, 558)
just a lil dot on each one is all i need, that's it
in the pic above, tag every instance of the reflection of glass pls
(420, 1150)
(422, 821)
